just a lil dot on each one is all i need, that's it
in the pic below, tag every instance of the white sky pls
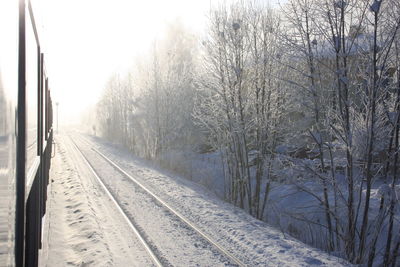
(86, 41)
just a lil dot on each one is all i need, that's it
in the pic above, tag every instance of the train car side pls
(26, 135)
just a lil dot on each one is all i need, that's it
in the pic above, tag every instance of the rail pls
(172, 210)
(133, 228)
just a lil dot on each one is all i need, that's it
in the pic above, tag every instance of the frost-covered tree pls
(240, 101)
(307, 95)
(343, 51)
(150, 110)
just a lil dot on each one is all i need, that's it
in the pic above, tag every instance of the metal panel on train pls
(8, 101)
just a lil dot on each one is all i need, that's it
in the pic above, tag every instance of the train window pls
(46, 111)
(32, 70)
(8, 100)
(43, 115)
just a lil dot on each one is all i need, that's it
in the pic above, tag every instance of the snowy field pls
(85, 229)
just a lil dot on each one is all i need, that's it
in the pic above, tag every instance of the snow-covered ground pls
(82, 227)
(292, 204)
(85, 228)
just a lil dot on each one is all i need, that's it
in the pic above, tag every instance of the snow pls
(252, 241)
(7, 202)
(82, 228)
(383, 190)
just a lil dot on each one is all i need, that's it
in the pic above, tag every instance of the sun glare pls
(87, 41)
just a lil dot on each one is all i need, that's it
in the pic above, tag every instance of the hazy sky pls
(86, 41)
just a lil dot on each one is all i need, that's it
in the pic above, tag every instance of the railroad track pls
(137, 233)
(151, 250)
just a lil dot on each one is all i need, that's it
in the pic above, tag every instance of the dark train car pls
(26, 135)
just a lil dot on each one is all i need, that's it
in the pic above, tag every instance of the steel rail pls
(172, 210)
(134, 229)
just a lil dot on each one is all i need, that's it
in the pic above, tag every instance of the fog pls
(290, 112)
(85, 42)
